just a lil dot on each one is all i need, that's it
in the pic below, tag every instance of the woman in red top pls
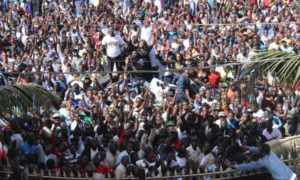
(214, 78)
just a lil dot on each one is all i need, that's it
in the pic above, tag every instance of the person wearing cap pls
(56, 115)
(221, 119)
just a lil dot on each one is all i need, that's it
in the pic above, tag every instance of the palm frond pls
(297, 4)
(25, 97)
(282, 65)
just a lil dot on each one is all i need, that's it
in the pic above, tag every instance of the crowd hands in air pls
(135, 96)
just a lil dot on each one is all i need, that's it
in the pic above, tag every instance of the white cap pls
(221, 114)
(56, 115)
(259, 114)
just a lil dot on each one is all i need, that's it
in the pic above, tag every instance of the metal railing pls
(288, 149)
(223, 174)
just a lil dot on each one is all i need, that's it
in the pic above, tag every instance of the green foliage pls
(25, 98)
(282, 65)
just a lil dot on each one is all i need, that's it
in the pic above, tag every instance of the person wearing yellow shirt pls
(226, 74)
(275, 45)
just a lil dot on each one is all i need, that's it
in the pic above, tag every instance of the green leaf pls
(24, 97)
(285, 66)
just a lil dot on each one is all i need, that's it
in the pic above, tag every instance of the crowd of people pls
(145, 87)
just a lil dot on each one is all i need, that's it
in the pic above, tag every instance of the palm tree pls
(25, 98)
(282, 65)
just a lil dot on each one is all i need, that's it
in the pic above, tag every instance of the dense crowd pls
(145, 86)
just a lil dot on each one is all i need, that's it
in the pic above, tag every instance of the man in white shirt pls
(158, 4)
(146, 32)
(76, 60)
(271, 132)
(121, 169)
(149, 164)
(112, 43)
(111, 155)
(265, 38)
(194, 153)
(242, 57)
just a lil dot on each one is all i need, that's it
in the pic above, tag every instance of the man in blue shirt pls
(29, 147)
(183, 83)
(269, 161)
(232, 122)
